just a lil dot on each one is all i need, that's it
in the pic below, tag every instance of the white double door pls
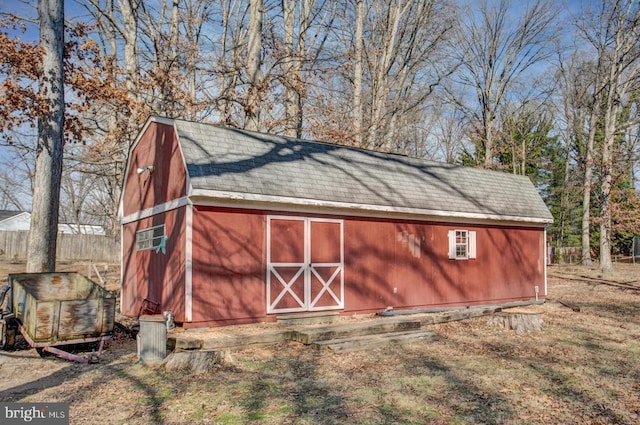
(305, 264)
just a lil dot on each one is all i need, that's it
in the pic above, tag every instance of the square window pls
(150, 238)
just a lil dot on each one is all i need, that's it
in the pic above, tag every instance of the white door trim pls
(308, 270)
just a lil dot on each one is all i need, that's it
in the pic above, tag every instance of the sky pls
(28, 9)
(75, 8)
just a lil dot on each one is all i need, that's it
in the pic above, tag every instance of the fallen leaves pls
(582, 368)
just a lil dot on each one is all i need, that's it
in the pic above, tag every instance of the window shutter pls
(472, 245)
(452, 244)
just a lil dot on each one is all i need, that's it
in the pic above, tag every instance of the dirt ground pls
(583, 367)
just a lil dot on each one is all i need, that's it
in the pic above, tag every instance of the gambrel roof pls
(227, 163)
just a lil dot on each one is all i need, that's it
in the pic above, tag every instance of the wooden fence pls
(566, 255)
(573, 255)
(13, 247)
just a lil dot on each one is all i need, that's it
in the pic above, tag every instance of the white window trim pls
(471, 245)
(156, 241)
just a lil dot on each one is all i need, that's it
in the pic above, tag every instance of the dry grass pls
(584, 367)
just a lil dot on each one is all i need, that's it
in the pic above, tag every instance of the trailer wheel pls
(8, 329)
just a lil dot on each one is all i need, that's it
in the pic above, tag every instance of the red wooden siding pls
(156, 276)
(406, 265)
(228, 265)
(158, 147)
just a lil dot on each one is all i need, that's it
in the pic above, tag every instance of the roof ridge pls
(244, 164)
(334, 144)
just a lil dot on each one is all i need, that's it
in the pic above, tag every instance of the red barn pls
(225, 226)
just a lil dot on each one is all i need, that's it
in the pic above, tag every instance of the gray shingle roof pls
(261, 166)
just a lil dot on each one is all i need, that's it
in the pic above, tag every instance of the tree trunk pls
(618, 68)
(523, 169)
(564, 197)
(520, 322)
(194, 23)
(41, 253)
(169, 104)
(254, 73)
(129, 10)
(294, 50)
(222, 64)
(358, 75)
(488, 142)
(624, 69)
(605, 208)
(610, 120)
(382, 68)
(586, 190)
(301, 57)
(571, 129)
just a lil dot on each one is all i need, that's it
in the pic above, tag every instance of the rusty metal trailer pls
(54, 310)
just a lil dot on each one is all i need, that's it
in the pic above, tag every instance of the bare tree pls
(613, 32)
(575, 112)
(449, 129)
(581, 91)
(112, 124)
(196, 15)
(11, 192)
(388, 31)
(229, 62)
(255, 77)
(623, 75)
(496, 53)
(358, 75)
(294, 49)
(396, 59)
(631, 147)
(129, 31)
(79, 181)
(41, 251)
(306, 27)
(594, 118)
(16, 181)
(150, 49)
